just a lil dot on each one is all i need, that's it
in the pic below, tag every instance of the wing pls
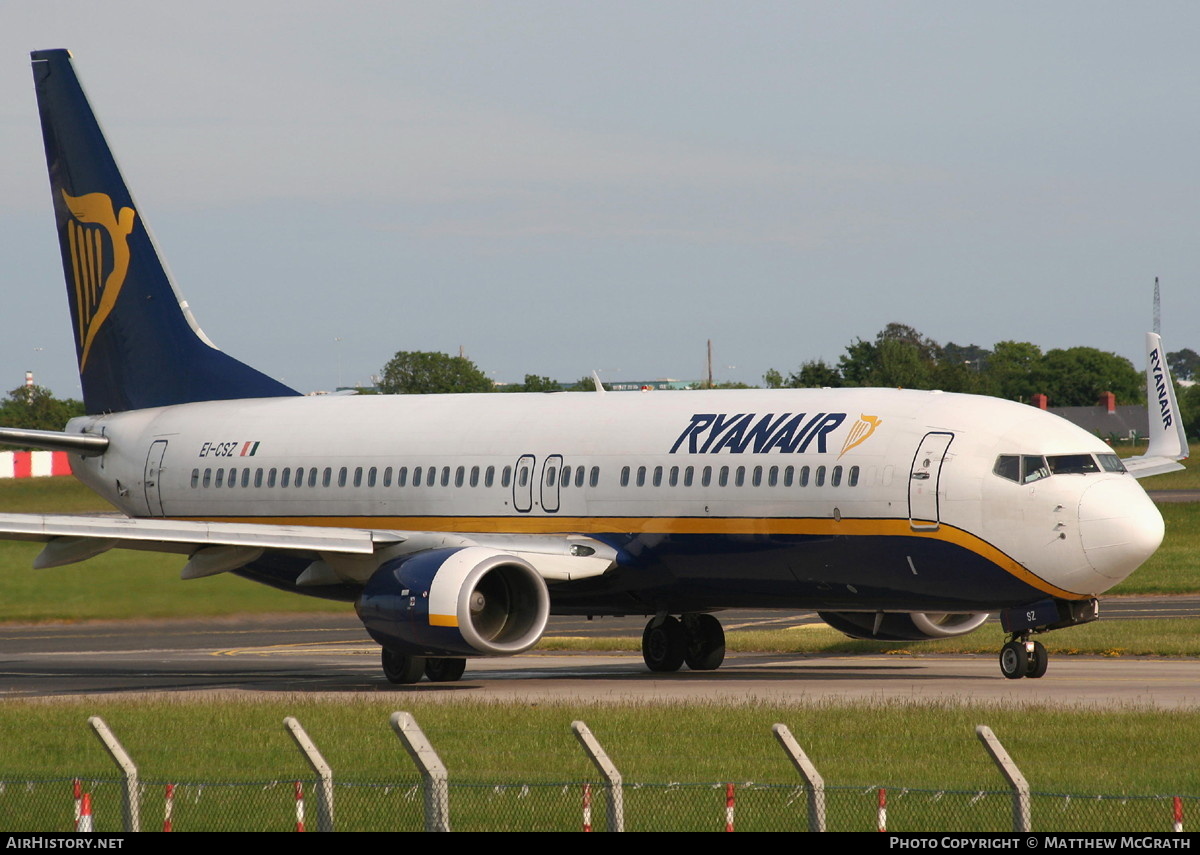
(1168, 442)
(338, 555)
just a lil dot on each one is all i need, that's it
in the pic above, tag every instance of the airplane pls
(456, 524)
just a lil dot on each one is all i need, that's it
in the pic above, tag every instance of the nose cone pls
(1119, 526)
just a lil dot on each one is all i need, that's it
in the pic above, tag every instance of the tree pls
(425, 373)
(1184, 364)
(1014, 370)
(534, 383)
(1077, 376)
(773, 379)
(815, 374)
(36, 408)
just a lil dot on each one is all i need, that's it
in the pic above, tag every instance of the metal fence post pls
(813, 782)
(596, 753)
(129, 809)
(433, 773)
(1020, 788)
(322, 770)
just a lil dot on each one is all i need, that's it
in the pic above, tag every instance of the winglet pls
(1168, 442)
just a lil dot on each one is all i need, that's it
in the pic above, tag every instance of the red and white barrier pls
(587, 807)
(299, 806)
(881, 818)
(33, 464)
(169, 810)
(85, 813)
(729, 807)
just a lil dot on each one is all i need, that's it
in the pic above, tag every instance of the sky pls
(562, 187)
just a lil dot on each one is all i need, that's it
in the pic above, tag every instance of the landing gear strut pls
(1020, 657)
(697, 639)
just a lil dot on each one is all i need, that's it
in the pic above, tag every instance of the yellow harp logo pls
(95, 292)
(861, 432)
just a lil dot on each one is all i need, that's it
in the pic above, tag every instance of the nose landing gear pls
(1021, 657)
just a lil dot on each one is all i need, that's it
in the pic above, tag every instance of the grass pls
(884, 742)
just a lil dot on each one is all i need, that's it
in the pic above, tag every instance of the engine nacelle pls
(463, 601)
(904, 626)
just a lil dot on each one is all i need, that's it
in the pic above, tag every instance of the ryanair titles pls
(1160, 385)
(713, 433)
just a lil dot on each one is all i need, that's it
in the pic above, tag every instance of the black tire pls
(705, 649)
(444, 670)
(402, 669)
(1038, 661)
(664, 646)
(1014, 661)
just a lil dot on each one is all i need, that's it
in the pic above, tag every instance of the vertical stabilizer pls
(1167, 437)
(136, 341)
(1168, 442)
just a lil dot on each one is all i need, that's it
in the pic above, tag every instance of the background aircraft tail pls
(1168, 441)
(136, 341)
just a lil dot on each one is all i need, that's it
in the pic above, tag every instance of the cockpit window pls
(1033, 469)
(1072, 464)
(1027, 468)
(1008, 466)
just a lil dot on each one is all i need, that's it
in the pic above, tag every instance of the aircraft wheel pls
(401, 668)
(1038, 660)
(1014, 661)
(705, 650)
(664, 646)
(444, 670)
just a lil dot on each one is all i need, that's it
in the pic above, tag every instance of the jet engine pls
(456, 602)
(904, 626)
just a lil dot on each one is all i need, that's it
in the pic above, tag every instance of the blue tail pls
(137, 343)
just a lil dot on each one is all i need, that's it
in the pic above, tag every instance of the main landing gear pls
(697, 639)
(1021, 657)
(401, 668)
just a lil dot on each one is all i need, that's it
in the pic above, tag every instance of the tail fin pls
(1168, 442)
(136, 340)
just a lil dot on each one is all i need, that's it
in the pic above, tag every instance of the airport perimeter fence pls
(429, 800)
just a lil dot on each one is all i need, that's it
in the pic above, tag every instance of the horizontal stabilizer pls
(54, 440)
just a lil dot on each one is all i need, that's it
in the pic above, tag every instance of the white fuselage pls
(857, 493)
